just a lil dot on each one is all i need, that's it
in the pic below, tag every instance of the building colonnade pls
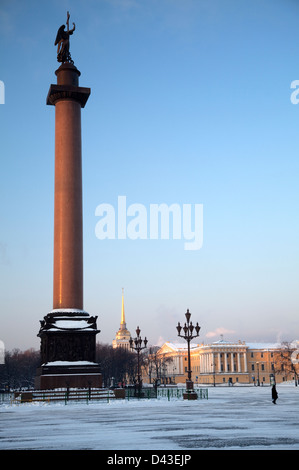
(221, 362)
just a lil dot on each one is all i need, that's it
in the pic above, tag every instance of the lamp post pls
(272, 375)
(188, 329)
(174, 373)
(136, 345)
(214, 372)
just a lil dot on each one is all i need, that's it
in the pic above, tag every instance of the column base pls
(63, 374)
(190, 394)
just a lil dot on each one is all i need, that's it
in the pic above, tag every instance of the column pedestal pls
(190, 394)
(68, 348)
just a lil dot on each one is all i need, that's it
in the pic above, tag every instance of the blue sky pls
(190, 104)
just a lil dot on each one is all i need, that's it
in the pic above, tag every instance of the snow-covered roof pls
(263, 346)
(221, 343)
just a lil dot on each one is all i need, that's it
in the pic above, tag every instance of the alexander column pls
(68, 333)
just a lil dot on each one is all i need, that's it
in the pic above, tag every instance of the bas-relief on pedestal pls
(68, 336)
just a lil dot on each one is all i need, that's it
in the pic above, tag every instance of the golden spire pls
(123, 321)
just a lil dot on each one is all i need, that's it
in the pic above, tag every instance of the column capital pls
(68, 92)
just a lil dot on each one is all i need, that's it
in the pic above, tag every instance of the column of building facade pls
(213, 365)
(179, 365)
(232, 361)
(201, 364)
(210, 361)
(239, 362)
(245, 362)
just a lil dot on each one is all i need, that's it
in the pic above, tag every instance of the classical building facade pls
(122, 338)
(222, 362)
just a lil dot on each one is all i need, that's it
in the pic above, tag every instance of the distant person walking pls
(274, 395)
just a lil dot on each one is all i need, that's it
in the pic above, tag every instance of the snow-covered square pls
(232, 418)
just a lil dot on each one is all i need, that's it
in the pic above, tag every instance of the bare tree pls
(117, 364)
(158, 365)
(19, 369)
(284, 363)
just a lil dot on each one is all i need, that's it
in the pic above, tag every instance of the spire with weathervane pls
(122, 338)
(123, 321)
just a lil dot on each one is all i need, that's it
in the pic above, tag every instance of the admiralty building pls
(223, 362)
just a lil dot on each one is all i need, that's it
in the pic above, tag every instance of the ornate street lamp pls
(258, 374)
(188, 335)
(136, 345)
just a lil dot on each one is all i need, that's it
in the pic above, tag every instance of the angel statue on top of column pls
(63, 42)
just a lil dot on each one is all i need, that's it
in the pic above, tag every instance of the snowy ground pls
(232, 418)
